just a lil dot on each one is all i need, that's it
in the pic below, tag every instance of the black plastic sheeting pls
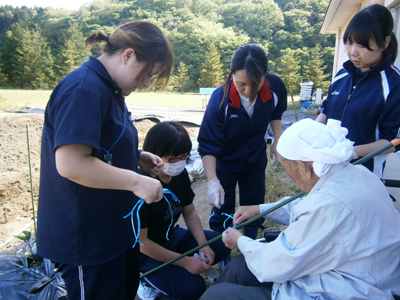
(20, 279)
(158, 119)
(27, 110)
(17, 279)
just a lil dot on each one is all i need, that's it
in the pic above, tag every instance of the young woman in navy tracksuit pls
(365, 94)
(161, 239)
(232, 134)
(89, 164)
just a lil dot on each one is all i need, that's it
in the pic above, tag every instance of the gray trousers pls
(238, 283)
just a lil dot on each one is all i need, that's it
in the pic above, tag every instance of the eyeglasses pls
(179, 158)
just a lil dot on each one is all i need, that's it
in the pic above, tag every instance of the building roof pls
(338, 14)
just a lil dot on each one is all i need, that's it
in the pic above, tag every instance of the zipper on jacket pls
(353, 88)
(345, 106)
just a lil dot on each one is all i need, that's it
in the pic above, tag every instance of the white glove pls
(215, 194)
(201, 255)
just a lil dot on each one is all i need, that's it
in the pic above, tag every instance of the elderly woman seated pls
(342, 239)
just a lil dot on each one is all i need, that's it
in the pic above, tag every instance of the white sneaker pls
(146, 293)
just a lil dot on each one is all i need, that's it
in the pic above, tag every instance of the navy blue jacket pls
(230, 135)
(371, 110)
(78, 225)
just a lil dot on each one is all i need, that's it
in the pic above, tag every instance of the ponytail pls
(149, 42)
(392, 48)
(96, 38)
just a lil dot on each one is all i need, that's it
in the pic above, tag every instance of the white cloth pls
(324, 145)
(342, 242)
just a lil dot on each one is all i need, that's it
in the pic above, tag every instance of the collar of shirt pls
(100, 70)
(334, 168)
(351, 69)
(265, 94)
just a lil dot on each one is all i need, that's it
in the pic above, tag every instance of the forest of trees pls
(38, 46)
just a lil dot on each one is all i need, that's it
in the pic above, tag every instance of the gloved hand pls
(215, 194)
(201, 255)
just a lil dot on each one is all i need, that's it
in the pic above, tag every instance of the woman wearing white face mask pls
(161, 239)
(175, 168)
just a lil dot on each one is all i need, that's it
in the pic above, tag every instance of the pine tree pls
(181, 80)
(29, 58)
(10, 57)
(72, 51)
(2, 78)
(212, 74)
(289, 70)
(35, 63)
(315, 71)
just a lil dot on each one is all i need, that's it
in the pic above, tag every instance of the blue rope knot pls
(137, 207)
(228, 217)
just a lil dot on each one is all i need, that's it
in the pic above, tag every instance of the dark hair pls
(375, 23)
(253, 59)
(168, 138)
(149, 42)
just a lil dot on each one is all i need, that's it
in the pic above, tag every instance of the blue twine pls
(137, 207)
(107, 155)
(228, 217)
(167, 191)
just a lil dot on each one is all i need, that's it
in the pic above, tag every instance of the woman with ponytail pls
(365, 94)
(89, 164)
(232, 136)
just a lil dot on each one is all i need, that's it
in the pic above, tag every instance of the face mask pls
(174, 169)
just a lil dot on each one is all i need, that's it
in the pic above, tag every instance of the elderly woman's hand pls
(230, 238)
(244, 213)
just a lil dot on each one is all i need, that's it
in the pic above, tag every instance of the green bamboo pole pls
(393, 143)
(30, 176)
(220, 236)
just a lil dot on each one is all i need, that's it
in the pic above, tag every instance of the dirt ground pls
(15, 184)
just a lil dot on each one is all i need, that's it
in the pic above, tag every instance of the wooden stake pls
(294, 108)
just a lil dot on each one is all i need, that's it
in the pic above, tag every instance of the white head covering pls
(324, 145)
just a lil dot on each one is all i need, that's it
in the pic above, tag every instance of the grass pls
(277, 186)
(165, 99)
(18, 99)
(296, 102)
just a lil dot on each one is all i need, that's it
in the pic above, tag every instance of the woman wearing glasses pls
(161, 239)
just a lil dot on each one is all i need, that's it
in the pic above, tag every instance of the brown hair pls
(149, 42)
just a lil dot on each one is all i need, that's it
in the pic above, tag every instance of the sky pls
(67, 4)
